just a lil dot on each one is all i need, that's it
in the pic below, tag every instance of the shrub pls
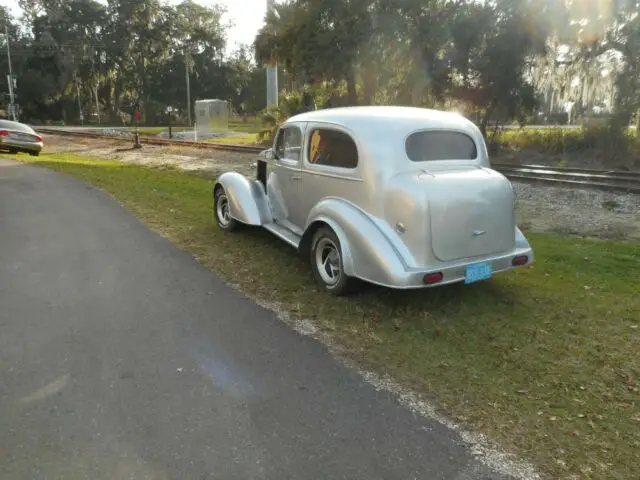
(290, 103)
(558, 140)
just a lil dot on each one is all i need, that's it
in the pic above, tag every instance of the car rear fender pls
(367, 252)
(248, 202)
(522, 242)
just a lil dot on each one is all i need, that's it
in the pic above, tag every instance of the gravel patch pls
(114, 132)
(191, 135)
(583, 212)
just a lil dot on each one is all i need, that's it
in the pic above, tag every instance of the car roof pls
(20, 127)
(370, 117)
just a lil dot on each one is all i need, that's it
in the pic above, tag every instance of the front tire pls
(327, 263)
(222, 212)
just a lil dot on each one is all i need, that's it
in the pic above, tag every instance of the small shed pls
(212, 116)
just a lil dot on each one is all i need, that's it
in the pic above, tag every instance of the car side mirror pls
(270, 154)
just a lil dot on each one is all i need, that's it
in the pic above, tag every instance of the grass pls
(155, 130)
(249, 129)
(544, 360)
(252, 125)
(245, 139)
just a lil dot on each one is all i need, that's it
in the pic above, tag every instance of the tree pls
(617, 32)
(319, 40)
(109, 59)
(493, 46)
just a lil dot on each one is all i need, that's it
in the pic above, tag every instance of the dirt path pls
(183, 157)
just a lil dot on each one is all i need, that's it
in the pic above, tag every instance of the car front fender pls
(367, 252)
(248, 202)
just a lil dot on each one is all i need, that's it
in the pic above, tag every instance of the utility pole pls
(10, 79)
(187, 59)
(272, 74)
(81, 113)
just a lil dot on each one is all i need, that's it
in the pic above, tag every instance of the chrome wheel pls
(328, 261)
(222, 210)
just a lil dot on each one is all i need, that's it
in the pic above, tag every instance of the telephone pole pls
(272, 74)
(187, 59)
(10, 79)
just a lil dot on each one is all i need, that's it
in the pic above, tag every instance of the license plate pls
(477, 272)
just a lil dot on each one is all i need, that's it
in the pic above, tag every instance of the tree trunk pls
(95, 94)
(368, 87)
(638, 123)
(352, 94)
(487, 116)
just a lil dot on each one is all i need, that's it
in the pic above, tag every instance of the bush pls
(559, 140)
(290, 103)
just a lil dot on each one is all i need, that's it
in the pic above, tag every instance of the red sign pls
(136, 115)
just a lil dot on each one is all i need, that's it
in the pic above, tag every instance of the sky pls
(247, 16)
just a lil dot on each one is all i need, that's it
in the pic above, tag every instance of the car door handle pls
(296, 177)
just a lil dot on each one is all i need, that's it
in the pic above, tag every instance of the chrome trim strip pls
(332, 175)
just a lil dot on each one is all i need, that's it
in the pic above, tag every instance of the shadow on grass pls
(447, 300)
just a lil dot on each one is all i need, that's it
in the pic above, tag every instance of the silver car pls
(396, 196)
(17, 137)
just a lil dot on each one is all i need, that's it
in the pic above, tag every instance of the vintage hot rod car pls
(397, 196)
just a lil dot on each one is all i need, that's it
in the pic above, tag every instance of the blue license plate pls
(477, 272)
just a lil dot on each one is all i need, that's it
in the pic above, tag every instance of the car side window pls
(332, 148)
(289, 144)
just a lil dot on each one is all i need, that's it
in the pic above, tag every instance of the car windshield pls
(19, 127)
(429, 146)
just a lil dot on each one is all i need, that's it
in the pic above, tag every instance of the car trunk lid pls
(23, 136)
(471, 212)
(19, 136)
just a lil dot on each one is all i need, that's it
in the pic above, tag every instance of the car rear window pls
(430, 146)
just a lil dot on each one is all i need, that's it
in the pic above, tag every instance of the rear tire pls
(327, 263)
(222, 212)
(34, 154)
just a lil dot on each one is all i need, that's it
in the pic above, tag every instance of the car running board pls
(284, 233)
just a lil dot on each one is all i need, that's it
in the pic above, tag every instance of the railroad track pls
(610, 180)
(152, 140)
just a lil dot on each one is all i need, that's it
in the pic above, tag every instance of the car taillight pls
(432, 278)
(4, 133)
(38, 138)
(521, 260)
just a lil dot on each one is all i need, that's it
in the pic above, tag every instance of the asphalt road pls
(122, 358)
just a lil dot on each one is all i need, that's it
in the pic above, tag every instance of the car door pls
(330, 167)
(283, 186)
